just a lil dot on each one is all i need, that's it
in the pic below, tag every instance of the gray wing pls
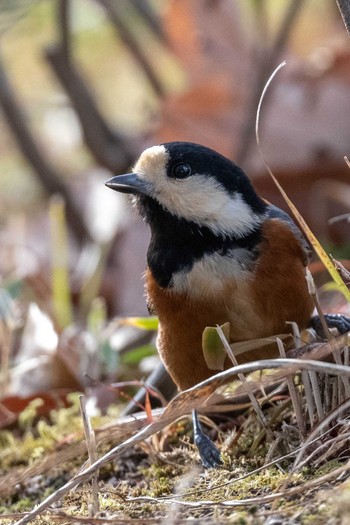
(273, 212)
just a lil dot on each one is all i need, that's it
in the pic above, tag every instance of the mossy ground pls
(167, 466)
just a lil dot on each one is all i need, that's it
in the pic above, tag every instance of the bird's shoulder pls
(279, 221)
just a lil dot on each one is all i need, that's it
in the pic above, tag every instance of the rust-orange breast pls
(256, 306)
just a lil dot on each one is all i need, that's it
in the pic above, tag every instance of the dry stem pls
(91, 446)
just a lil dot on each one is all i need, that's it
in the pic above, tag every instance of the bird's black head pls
(196, 184)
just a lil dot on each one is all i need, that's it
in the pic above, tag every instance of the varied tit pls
(218, 253)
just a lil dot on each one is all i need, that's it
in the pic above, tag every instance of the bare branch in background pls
(63, 26)
(113, 10)
(265, 61)
(50, 179)
(12, 12)
(109, 147)
(150, 17)
(344, 8)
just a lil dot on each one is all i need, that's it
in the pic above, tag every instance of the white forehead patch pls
(198, 198)
(151, 165)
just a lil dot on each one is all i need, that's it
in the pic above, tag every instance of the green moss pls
(143, 471)
(39, 437)
(23, 505)
(326, 468)
(320, 514)
(160, 479)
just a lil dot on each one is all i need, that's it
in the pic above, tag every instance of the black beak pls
(129, 183)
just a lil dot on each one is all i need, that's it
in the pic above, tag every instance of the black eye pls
(181, 170)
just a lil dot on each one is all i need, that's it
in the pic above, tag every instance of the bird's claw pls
(208, 451)
(338, 321)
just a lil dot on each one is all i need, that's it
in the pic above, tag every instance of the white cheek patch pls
(201, 199)
(198, 198)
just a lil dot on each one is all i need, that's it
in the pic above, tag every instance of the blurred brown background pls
(85, 85)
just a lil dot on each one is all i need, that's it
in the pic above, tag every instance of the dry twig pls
(293, 394)
(91, 446)
(344, 8)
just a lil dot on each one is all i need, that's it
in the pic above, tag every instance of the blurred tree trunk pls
(49, 177)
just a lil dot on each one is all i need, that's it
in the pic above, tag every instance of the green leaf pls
(97, 256)
(133, 357)
(6, 307)
(61, 297)
(213, 349)
(110, 357)
(15, 288)
(144, 323)
(97, 316)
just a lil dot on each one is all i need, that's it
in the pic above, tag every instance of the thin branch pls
(344, 8)
(265, 62)
(294, 395)
(245, 384)
(109, 147)
(49, 177)
(150, 17)
(113, 11)
(332, 416)
(310, 236)
(313, 292)
(91, 446)
(63, 16)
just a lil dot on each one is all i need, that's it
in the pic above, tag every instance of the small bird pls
(218, 253)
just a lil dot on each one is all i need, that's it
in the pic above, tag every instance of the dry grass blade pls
(61, 296)
(318, 430)
(253, 344)
(310, 404)
(293, 395)
(305, 377)
(339, 218)
(313, 292)
(63, 518)
(317, 394)
(182, 404)
(344, 273)
(244, 382)
(328, 446)
(305, 228)
(91, 446)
